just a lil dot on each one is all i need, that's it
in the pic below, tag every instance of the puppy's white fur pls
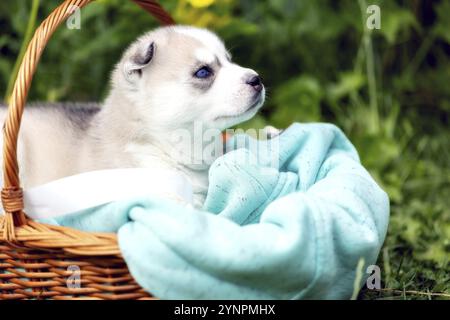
(154, 93)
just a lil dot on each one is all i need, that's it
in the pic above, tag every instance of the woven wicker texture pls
(40, 261)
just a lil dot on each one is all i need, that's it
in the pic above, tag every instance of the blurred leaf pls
(395, 21)
(441, 29)
(435, 252)
(297, 100)
(348, 82)
(201, 3)
(377, 152)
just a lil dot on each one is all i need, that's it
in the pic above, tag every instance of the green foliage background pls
(389, 90)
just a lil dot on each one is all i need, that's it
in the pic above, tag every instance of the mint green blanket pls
(293, 230)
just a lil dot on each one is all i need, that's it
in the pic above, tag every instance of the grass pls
(416, 255)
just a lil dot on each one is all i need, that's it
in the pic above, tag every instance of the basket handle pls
(12, 194)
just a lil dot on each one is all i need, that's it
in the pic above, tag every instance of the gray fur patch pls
(79, 115)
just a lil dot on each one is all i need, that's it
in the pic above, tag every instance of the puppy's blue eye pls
(204, 73)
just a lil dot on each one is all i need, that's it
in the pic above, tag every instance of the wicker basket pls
(38, 261)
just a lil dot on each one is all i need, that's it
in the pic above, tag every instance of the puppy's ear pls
(138, 60)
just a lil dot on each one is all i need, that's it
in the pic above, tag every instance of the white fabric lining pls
(95, 188)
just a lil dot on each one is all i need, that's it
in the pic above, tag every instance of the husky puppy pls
(173, 79)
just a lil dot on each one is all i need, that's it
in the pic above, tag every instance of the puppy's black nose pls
(256, 83)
